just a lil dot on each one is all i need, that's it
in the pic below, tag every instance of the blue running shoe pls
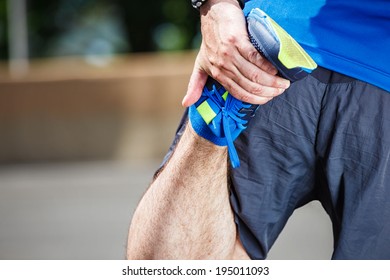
(219, 117)
(275, 44)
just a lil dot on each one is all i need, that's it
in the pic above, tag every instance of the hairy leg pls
(186, 213)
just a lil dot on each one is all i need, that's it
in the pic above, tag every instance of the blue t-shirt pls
(348, 36)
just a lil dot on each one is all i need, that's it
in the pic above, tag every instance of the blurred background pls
(90, 94)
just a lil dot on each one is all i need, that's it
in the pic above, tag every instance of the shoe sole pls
(278, 46)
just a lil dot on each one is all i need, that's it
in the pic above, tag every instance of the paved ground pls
(82, 211)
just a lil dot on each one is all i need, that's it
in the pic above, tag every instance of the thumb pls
(197, 82)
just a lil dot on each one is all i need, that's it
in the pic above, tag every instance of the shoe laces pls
(230, 109)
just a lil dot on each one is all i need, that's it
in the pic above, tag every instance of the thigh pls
(354, 148)
(277, 172)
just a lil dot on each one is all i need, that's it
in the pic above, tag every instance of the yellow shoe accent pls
(291, 54)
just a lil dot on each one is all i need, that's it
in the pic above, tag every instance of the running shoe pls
(220, 117)
(275, 44)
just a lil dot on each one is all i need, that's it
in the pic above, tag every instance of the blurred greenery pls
(104, 27)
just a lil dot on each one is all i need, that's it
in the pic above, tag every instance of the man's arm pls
(227, 55)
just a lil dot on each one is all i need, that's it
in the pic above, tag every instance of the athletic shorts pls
(327, 138)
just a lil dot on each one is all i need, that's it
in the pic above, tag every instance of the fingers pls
(249, 53)
(263, 95)
(246, 81)
(227, 55)
(254, 70)
(253, 81)
(256, 79)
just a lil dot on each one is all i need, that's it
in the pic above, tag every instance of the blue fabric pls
(226, 125)
(350, 37)
(202, 129)
(326, 138)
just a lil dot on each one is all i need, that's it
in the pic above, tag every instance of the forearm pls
(187, 204)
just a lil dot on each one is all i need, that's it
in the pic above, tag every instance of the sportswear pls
(327, 137)
(350, 37)
(218, 116)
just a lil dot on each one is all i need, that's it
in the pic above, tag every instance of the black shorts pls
(326, 138)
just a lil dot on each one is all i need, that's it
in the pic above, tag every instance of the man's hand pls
(227, 55)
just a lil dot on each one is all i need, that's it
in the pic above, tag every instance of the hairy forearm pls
(186, 207)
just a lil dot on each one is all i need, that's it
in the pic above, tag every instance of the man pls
(324, 137)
